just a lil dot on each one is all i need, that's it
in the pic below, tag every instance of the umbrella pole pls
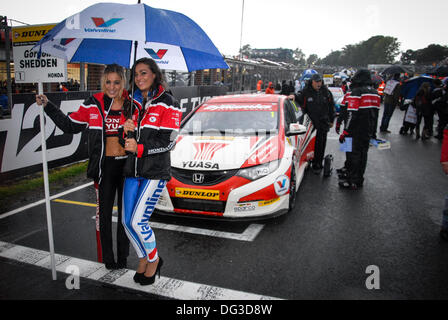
(133, 81)
(46, 187)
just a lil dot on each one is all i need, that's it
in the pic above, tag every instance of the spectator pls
(391, 100)
(440, 105)
(422, 103)
(259, 86)
(270, 89)
(444, 162)
(317, 101)
(343, 118)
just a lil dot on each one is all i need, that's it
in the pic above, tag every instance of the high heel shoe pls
(138, 276)
(144, 280)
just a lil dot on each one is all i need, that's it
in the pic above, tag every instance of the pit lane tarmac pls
(321, 250)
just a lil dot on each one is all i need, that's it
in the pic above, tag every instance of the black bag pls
(328, 165)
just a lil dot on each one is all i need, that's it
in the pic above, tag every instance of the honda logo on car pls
(198, 178)
(281, 185)
(197, 193)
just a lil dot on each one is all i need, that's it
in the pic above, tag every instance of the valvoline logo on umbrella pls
(156, 55)
(66, 41)
(63, 43)
(102, 25)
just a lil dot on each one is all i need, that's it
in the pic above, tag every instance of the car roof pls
(246, 98)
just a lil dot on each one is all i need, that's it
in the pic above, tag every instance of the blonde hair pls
(113, 68)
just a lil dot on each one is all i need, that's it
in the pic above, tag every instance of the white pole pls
(46, 185)
(241, 34)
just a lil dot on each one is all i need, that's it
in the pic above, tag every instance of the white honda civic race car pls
(240, 156)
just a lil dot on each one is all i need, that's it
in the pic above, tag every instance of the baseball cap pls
(316, 77)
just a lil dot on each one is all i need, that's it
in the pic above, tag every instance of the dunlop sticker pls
(267, 202)
(197, 193)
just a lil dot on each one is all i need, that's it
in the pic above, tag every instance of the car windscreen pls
(238, 119)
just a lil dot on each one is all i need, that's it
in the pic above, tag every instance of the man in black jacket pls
(317, 101)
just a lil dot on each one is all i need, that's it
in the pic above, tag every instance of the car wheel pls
(292, 189)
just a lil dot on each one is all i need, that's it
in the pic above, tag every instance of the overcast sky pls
(314, 26)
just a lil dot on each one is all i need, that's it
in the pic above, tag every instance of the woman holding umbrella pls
(149, 134)
(100, 114)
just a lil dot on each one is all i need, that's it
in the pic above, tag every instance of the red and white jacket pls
(363, 107)
(444, 156)
(157, 123)
(92, 116)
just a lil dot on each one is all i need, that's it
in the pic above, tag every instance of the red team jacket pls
(444, 157)
(157, 124)
(91, 116)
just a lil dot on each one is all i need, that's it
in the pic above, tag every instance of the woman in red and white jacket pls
(100, 115)
(148, 136)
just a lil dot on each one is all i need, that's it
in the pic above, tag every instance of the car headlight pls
(257, 172)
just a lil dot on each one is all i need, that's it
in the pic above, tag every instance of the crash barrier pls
(20, 140)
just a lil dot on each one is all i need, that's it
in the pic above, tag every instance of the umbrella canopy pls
(341, 75)
(440, 71)
(307, 74)
(105, 32)
(393, 70)
(411, 86)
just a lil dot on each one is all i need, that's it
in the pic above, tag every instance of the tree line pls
(376, 50)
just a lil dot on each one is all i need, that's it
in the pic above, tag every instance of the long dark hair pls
(158, 80)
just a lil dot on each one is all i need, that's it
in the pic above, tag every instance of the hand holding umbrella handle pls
(129, 128)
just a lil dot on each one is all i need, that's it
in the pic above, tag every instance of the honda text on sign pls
(240, 156)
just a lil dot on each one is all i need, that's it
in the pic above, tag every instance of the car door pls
(290, 117)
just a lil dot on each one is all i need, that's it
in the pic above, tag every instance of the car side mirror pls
(295, 129)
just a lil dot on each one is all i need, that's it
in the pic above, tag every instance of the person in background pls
(259, 86)
(100, 114)
(444, 163)
(270, 89)
(391, 100)
(363, 106)
(317, 101)
(422, 102)
(342, 119)
(148, 132)
(439, 101)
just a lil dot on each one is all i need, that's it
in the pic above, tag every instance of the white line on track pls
(13, 212)
(166, 287)
(249, 234)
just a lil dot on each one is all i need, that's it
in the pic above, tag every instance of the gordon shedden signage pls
(28, 66)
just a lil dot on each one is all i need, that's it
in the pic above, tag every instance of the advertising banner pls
(20, 143)
(28, 68)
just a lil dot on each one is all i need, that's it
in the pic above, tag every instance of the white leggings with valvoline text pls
(140, 196)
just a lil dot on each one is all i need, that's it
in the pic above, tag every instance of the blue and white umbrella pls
(411, 86)
(341, 75)
(307, 74)
(106, 33)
